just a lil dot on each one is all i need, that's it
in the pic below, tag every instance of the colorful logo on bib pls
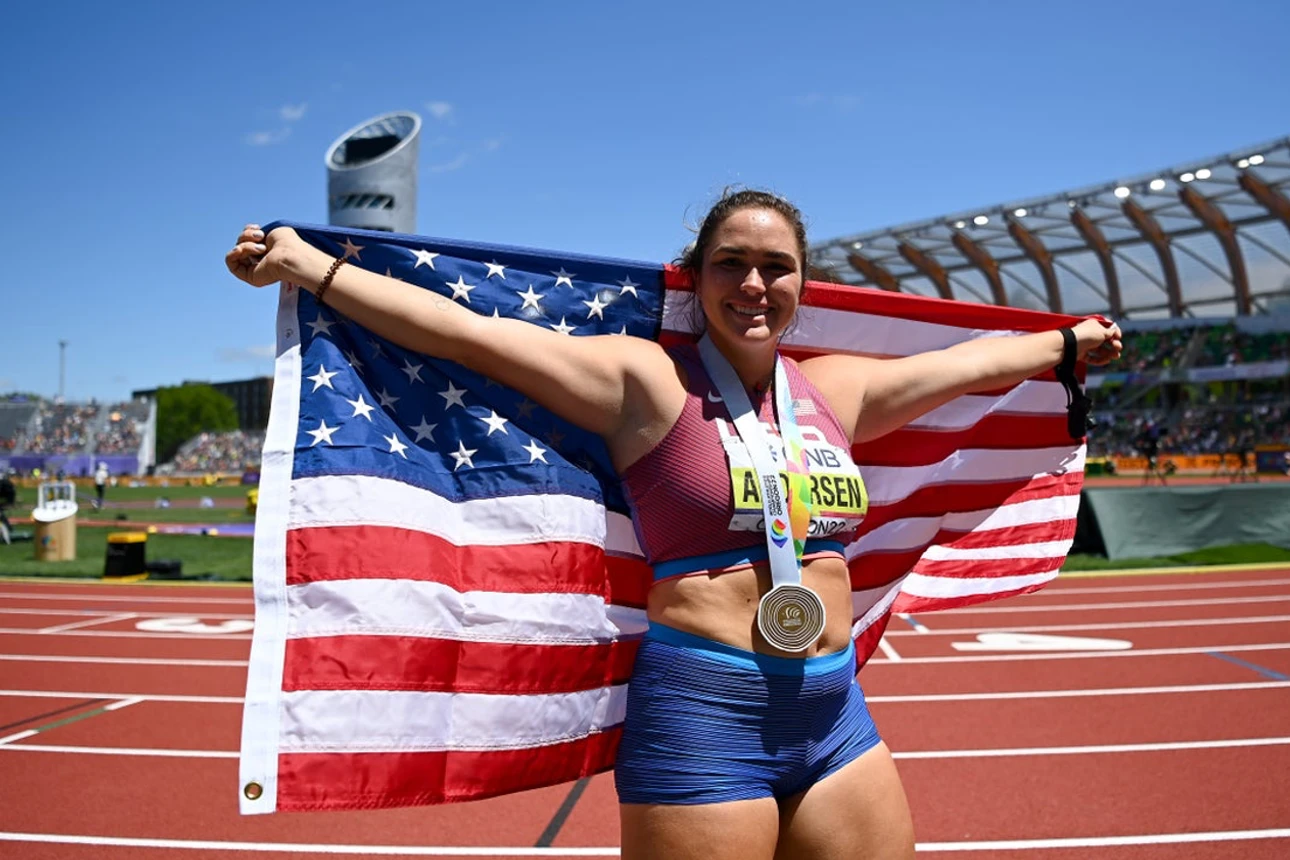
(779, 531)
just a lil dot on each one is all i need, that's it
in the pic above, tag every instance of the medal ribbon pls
(785, 518)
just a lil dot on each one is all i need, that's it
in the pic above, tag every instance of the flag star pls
(351, 250)
(461, 289)
(495, 268)
(525, 409)
(462, 455)
(377, 349)
(495, 422)
(361, 407)
(390, 274)
(322, 434)
(424, 430)
(565, 277)
(396, 447)
(496, 315)
(597, 308)
(628, 286)
(352, 358)
(563, 328)
(536, 452)
(452, 397)
(322, 324)
(413, 371)
(556, 438)
(322, 377)
(623, 332)
(530, 298)
(387, 400)
(425, 258)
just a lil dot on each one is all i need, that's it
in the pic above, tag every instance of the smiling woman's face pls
(751, 277)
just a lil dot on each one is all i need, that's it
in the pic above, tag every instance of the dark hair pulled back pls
(733, 201)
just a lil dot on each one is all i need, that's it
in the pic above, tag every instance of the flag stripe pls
(425, 664)
(415, 721)
(367, 780)
(410, 607)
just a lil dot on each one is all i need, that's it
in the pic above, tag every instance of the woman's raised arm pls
(602, 384)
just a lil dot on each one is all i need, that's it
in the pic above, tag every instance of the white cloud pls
(291, 113)
(246, 354)
(447, 166)
(268, 138)
(493, 144)
(440, 110)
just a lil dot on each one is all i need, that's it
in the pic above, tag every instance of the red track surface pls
(988, 741)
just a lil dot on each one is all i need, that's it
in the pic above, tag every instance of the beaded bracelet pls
(326, 281)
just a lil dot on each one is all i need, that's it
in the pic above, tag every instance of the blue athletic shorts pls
(709, 723)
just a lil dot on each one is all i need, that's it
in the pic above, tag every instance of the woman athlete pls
(733, 746)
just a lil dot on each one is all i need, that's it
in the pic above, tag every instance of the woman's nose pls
(752, 282)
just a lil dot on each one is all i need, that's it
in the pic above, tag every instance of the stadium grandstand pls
(1193, 261)
(72, 438)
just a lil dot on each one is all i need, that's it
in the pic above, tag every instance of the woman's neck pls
(755, 366)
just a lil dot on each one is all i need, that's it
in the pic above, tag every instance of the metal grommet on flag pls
(252, 791)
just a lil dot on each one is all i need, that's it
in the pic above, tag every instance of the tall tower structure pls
(372, 174)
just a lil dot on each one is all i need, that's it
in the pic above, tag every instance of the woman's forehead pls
(759, 226)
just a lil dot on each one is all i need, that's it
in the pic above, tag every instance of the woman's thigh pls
(737, 830)
(858, 813)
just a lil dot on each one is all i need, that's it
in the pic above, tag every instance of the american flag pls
(449, 592)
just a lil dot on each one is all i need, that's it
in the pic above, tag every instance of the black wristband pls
(1078, 405)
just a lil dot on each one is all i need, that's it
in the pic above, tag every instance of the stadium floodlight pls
(1187, 177)
(1203, 173)
(1020, 212)
(1122, 192)
(1071, 203)
(857, 245)
(1243, 163)
(981, 220)
(1157, 185)
(1256, 159)
(959, 225)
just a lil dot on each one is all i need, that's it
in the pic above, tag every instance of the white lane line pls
(1056, 628)
(126, 634)
(1106, 841)
(940, 697)
(913, 622)
(1134, 604)
(610, 851)
(89, 622)
(124, 703)
(892, 654)
(1086, 655)
(1065, 694)
(1093, 749)
(120, 598)
(146, 697)
(105, 612)
(1138, 589)
(120, 661)
(16, 737)
(123, 751)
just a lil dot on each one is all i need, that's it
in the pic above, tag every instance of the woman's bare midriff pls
(722, 605)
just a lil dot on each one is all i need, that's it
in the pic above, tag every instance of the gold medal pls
(791, 617)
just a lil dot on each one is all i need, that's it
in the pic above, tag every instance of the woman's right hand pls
(262, 260)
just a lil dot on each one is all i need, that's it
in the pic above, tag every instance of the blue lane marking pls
(1262, 670)
(909, 619)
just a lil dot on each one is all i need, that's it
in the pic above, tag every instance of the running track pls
(119, 742)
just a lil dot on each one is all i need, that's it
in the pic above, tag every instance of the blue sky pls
(138, 137)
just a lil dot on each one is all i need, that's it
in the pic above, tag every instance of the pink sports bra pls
(693, 511)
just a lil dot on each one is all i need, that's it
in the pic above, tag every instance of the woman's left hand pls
(1098, 343)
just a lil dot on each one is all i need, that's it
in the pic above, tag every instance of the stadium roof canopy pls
(1205, 239)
